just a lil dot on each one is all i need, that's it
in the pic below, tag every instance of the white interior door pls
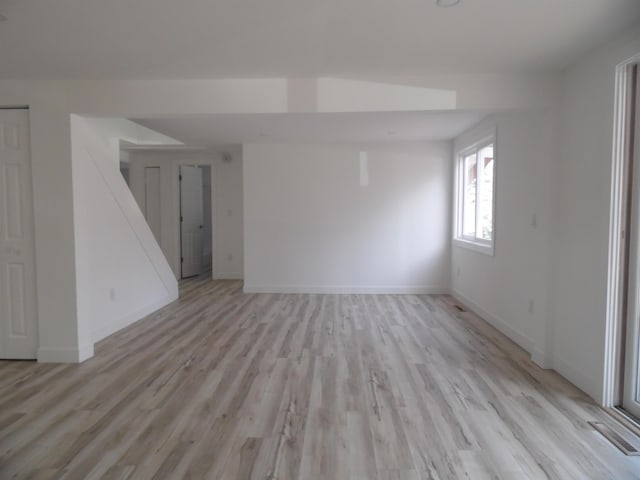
(152, 208)
(191, 221)
(18, 314)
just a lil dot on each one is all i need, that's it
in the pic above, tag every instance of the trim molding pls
(616, 239)
(474, 246)
(519, 338)
(113, 327)
(578, 379)
(348, 289)
(227, 276)
(625, 419)
(65, 355)
(540, 358)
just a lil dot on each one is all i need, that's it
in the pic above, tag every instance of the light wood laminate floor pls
(227, 385)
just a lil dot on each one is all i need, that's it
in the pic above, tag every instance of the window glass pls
(469, 194)
(485, 206)
(475, 201)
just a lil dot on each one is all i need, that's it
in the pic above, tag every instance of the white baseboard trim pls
(113, 327)
(227, 276)
(519, 338)
(540, 358)
(65, 355)
(347, 289)
(85, 352)
(580, 380)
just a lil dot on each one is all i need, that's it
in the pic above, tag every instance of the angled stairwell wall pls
(122, 275)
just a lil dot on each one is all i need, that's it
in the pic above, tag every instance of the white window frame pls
(474, 243)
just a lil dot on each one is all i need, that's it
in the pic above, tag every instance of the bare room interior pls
(320, 240)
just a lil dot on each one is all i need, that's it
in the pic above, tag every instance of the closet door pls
(18, 313)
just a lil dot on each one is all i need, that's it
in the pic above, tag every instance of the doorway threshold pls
(623, 417)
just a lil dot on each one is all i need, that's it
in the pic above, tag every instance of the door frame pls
(628, 374)
(159, 205)
(618, 254)
(169, 163)
(214, 243)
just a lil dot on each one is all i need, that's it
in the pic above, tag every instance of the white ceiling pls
(215, 131)
(224, 38)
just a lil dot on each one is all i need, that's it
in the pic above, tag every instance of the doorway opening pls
(195, 220)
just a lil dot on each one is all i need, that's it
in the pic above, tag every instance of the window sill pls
(484, 248)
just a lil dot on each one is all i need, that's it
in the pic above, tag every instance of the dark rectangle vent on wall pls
(459, 308)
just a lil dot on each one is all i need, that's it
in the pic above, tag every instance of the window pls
(475, 195)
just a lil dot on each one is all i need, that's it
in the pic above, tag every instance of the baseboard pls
(540, 358)
(65, 355)
(227, 276)
(583, 382)
(347, 289)
(113, 327)
(522, 340)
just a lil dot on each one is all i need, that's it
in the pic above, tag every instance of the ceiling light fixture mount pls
(447, 3)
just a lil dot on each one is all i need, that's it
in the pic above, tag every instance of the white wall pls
(61, 336)
(137, 98)
(207, 213)
(567, 329)
(492, 92)
(229, 216)
(580, 188)
(500, 287)
(115, 130)
(314, 224)
(122, 275)
(227, 255)
(583, 188)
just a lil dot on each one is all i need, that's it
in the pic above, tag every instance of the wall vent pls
(617, 438)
